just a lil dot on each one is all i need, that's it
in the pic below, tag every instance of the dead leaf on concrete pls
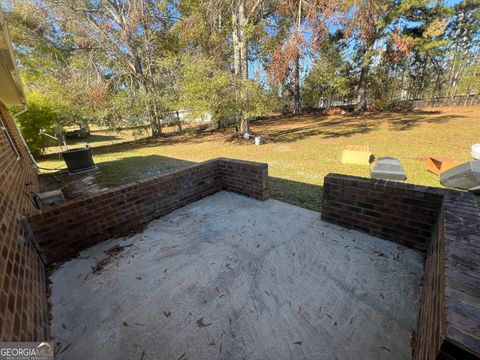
(381, 254)
(202, 324)
(112, 252)
(413, 338)
(116, 250)
(65, 348)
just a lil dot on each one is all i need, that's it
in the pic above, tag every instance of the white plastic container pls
(258, 140)
(476, 151)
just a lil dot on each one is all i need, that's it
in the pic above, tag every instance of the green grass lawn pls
(301, 150)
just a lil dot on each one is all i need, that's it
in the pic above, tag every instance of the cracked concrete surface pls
(229, 277)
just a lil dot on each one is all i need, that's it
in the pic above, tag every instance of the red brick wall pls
(62, 230)
(449, 323)
(394, 211)
(432, 318)
(244, 177)
(462, 276)
(445, 224)
(23, 302)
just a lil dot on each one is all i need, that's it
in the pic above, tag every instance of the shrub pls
(383, 104)
(41, 114)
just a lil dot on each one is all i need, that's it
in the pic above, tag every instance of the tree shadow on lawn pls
(199, 136)
(136, 168)
(93, 138)
(110, 174)
(289, 129)
(297, 193)
(118, 172)
(286, 129)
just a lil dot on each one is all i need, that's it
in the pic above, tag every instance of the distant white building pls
(185, 116)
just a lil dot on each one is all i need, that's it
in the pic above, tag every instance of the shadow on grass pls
(110, 174)
(135, 168)
(290, 129)
(282, 129)
(130, 169)
(197, 135)
(297, 193)
(93, 138)
(114, 173)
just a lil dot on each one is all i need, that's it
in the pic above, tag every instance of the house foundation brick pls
(23, 299)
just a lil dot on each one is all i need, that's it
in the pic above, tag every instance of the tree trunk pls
(155, 121)
(362, 85)
(235, 41)
(469, 87)
(156, 128)
(240, 58)
(242, 40)
(297, 63)
(156, 131)
(179, 123)
(220, 124)
(362, 90)
(297, 85)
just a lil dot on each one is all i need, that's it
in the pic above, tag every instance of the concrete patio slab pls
(229, 277)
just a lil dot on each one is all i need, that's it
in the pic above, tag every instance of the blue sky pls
(256, 68)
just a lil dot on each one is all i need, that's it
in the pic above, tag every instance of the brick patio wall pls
(244, 177)
(462, 276)
(389, 210)
(443, 223)
(432, 318)
(23, 300)
(62, 230)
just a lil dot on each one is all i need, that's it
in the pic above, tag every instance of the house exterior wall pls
(23, 300)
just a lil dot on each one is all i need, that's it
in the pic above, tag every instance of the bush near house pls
(41, 115)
